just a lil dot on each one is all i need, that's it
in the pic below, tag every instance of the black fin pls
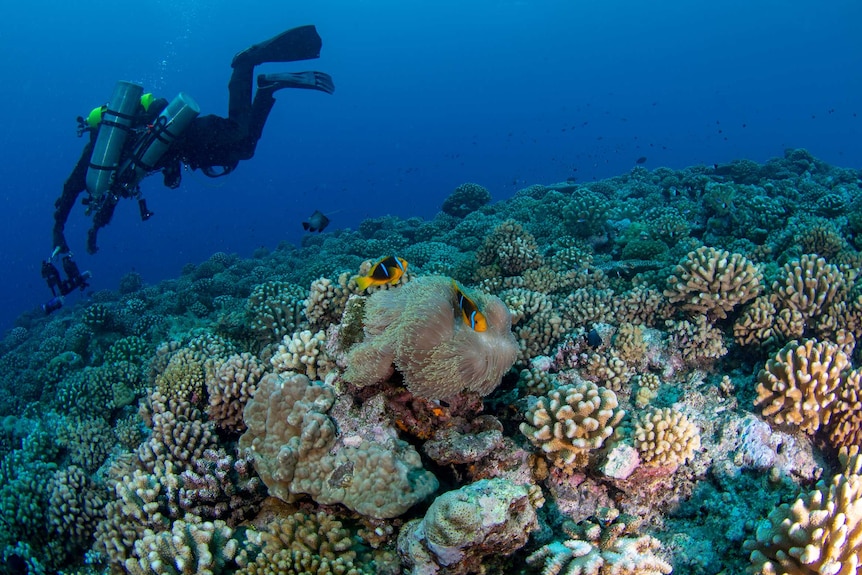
(305, 226)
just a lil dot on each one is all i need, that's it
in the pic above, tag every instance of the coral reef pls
(265, 415)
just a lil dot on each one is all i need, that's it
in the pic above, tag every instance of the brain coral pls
(419, 329)
(799, 385)
(572, 420)
(819, 533)
(463, 527)
(296, 450)
(713, 282)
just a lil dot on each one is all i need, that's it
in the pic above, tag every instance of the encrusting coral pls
(418, 328)
(462, 527)
(296, 450)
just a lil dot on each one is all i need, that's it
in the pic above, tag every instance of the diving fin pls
(302, 43)
(307, 80)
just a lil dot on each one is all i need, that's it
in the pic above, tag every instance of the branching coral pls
(326, 300)
(511, 248)
(713, 282)
(275, 309)
(571, 421)
(845, 428)
(466, 198)
(189, 548)
(304, 352)
(233, 383)
(819, 533)
(808, 285)
(799, 385)
(419, 329)
(665, 438)
(614, 549)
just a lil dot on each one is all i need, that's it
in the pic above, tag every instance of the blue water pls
(430, 94)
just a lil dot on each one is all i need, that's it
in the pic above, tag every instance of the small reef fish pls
(387, 271)
(473, 318)
(316, 223)
(641, 160)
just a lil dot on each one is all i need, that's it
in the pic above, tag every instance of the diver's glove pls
(310, 80)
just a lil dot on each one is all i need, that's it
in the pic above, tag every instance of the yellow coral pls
(808, 285)
(665, 438)
(819, 533)
(572, 420)
(799, 385)
(713, 282)
(845, 429)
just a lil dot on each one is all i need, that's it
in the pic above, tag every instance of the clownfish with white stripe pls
(470, 314)
(387, 271)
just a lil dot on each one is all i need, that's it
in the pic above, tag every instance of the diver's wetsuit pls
(211, 143)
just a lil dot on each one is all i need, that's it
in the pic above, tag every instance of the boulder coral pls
(418, 331)
(297, 450)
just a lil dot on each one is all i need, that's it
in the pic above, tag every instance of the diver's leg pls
(74, 185)
(239, 108)
(101, 218)
(302, 43)
(262, 106)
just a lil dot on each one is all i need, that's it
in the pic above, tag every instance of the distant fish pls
(641, 160)
(387, 271)
(316, 223)
(470, 314)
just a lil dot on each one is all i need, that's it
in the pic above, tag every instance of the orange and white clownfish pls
(387, 271)
(470, 314)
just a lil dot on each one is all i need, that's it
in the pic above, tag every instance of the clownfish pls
(473, 318)
(387, 271)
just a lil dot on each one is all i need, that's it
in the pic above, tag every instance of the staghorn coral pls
(304, 352)
(419, 329)
(799, 384)
(491, 517)
(664, 438)
(296, 451)
(819, 533)
(570, 421)
(233, 383)
(713, 282)
(510, 248)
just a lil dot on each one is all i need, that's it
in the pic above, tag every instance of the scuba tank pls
(113, 132)
(167, 127)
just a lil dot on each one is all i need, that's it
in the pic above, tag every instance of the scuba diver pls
(136, 134)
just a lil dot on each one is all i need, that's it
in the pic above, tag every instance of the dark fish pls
(316, 223)
(641, 160)
(593, 338)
